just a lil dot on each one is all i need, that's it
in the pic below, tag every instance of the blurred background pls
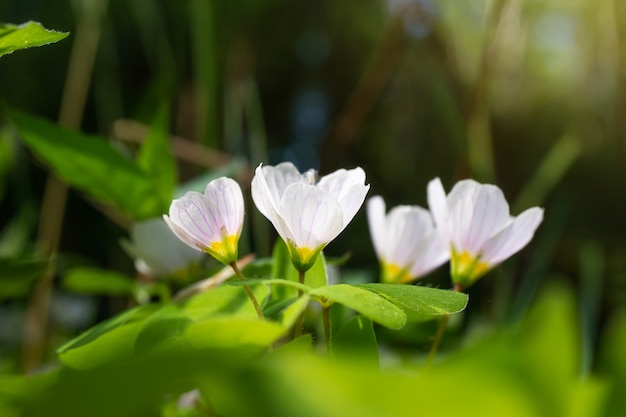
(525, 94)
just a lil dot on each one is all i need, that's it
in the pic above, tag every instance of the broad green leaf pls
(225, 299)
(17, 275)
(156, 159)
(97, 281)
(110, 341)
(227, 332)
(421, 303)
(90, 164)
(26, 35)
(163, 330)
(356, 338)
(366, 302)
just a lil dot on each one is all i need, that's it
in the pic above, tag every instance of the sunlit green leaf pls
(97, 281)
(366, 302)
(225, 299)
(110, 341)
(91, 165)
(26, 35)
(421, 303)
(155, 156)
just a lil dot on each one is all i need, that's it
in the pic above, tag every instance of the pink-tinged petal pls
(225, 202)
(488, 216)
(192, 214)
(513, 238)
(377, 224)
(438, 205)
(313, 216)
(189, 240)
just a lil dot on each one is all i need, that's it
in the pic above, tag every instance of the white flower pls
(405, 240)
(210, 222)
(307, 214)
(474, 218)
(157, 251)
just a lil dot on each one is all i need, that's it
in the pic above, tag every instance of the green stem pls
(435, 346)
(255, 303)
(328, 334)
(300, 322)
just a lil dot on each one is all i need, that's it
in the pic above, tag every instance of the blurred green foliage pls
(522, 93)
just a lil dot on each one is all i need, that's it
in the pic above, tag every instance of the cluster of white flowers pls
(471, 226)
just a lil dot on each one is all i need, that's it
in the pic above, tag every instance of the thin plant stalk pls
(75, 91)
(300, 321)
(327, 330)
(255, 303)
(440, 331)
(437, 341)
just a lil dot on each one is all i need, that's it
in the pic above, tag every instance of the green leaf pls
(223, 300)
(97, 281)
(110, 341)
(26, 35)
(373, 306)
(90, 164)
(156, 159)
(17, 275)
(355, 339)
(421, 303)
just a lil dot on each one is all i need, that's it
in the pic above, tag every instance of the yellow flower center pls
(303, 258)
(224, 250)
(466, 269)
(394, 274)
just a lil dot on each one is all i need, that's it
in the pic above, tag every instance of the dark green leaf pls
(366, 302)
(356, 339)
(91, 165)
(17, 276)
(26, 35)
(421, 303)
(98, 281)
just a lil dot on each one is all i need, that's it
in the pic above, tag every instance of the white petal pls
(162, 251)
(340, 182)
(407, 226)
(225, 201)
(430, 254)
(438, 205)
(312, 215)
(348, 187)
(377, 224)
(269, 184)
(514, 237)
(487, 217)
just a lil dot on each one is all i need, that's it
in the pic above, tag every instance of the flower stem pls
(327, 330)
(255, 303)
(300, 322)
(438, 336)
(440, 331)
